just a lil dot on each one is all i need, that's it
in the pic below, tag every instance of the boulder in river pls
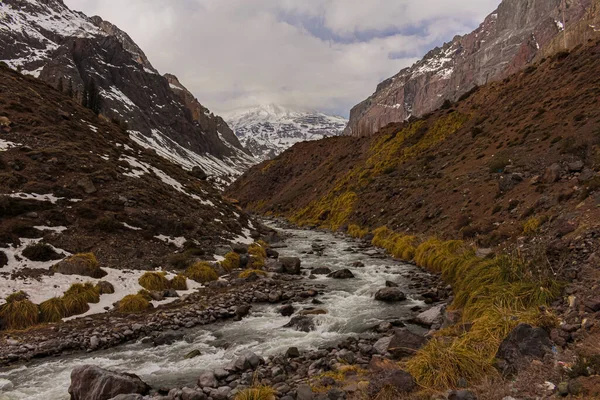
(286, 310)
(390, 294)
(301, 323)
(166, 338)
(242, 311)
(89, 382)
(341, 274)
(290, 265)
(313, 311)
(321, 271)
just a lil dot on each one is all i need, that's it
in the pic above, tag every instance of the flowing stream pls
(351, 311)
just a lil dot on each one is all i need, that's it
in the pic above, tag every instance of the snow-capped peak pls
(268, 130)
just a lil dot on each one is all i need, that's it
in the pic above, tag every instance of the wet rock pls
(242, 311)
(358, 264)
(524, 342)
(167, 338)
(292, 352)
(248, 360)
(274, 297)
(286, 310)
(290, 265)
(313, 311)
(207, 379)
(272, 253)
(93, 383)
(390, 294)
(341, 274)
(390, 284)
(321, 271)
(301, 323)
(192, 354)
(5, 385)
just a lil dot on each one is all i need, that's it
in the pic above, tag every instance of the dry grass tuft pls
(154, 281)
(248, 272)
(179, 283)
(231, 262)
(133, 304)
(53, 310)
(201, 272)
(257, 393)
(19, 314)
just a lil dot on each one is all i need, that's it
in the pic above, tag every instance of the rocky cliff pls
(507, 41)
(97, 63)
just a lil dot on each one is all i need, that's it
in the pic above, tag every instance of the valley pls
(440, 243)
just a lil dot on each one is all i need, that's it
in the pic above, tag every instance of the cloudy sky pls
(314, 54)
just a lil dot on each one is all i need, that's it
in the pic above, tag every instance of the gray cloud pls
(317, 54)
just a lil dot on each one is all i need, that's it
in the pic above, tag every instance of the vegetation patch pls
(398, 245)
(532, 226)
(257, 393)
(201, 272)
(134, 303)
(19, 313)
(154, 281)
(258, 256)
(84, 264)
(53, 310)
(246, 273)
(231, 262)
(179, 283)
(357, 232)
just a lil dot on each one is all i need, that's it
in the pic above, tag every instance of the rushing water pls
(351, 311)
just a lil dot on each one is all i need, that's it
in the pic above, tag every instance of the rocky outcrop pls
(98, 64)
(93, 383)
(523, 343)
(507, 41)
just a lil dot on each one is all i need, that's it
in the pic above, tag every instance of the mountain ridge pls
(268, 130)
(509, 39)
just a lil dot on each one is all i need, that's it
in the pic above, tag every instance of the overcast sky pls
(315, 54)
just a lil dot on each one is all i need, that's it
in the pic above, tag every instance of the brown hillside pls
(102, 180)
(522, 150)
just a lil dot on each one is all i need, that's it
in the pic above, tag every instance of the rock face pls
(93, 383)
(269, 130)
(507, 41)
(96, 63)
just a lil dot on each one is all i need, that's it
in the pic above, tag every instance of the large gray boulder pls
(290, 265)
(402, 343)
(390, 294)
(89, 382)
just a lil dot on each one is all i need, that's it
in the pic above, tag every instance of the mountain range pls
(98, 64)
(268, 130)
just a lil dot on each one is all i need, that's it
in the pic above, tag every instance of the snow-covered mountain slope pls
(269, 130)
(94, 61)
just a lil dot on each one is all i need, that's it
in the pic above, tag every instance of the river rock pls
(292, 352)
(524, 342)
(390, 284)
(341, 274)
(272, 253)
(301, 323)
(431, 316)
(290, 265)
(6, 385)
(321, 271)
(313, 311)
(191, 394)
(304, 392)
(358, 264)
(167, 338)
(402, 343)
(242, 311)
(390, 294)
(207, 379)
(192, 354)
(286, 310)
(89, 382)
(248, 360)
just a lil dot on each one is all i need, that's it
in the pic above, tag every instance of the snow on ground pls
(133, 228)
(244, 238)
(38, 197)
(140, 168)
(5, 145)
(178, 241)
(47, 287)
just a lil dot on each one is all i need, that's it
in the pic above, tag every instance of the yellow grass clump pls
(258, 256)
(179, 283)
(257, 393)
(134, 303)
(201, 272)
(532, 226)
(231, 262)
(249, 272)
(87, 291)
(398, 245)
(53, 310)
(357, 232)
(19, 314)
(154, 281)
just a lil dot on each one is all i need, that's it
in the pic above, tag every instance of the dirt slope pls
(95, 180)
(522, 150)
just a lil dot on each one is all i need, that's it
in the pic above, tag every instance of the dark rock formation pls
(524, 342)
(93, 383)
(507, 41)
